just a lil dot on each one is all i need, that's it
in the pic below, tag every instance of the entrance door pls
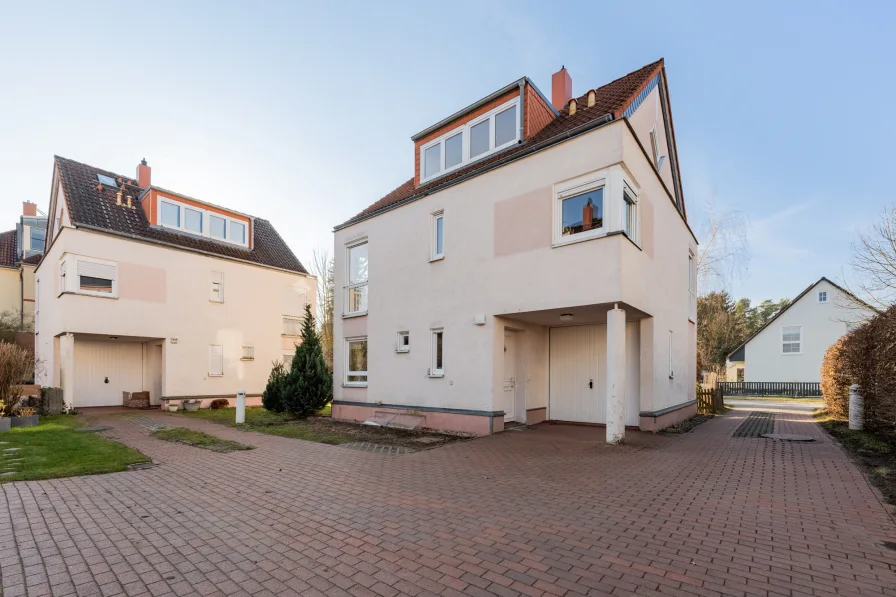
(577, 364)
(508, 401)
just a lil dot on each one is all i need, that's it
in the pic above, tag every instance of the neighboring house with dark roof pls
(146, 289)
(538, 265)
(20, 252)
(791, 345)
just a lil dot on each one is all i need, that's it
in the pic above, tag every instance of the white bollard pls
(240, 406)
(856, 408)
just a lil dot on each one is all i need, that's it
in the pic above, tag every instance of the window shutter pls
(96, 270)
(216, 360)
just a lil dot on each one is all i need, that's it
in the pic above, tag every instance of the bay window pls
(596, 205)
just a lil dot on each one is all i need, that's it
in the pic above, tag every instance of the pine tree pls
(272, 398)
(309, 385)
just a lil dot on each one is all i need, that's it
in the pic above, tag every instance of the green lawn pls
(199, 439)
(53, 449)
(284, 425)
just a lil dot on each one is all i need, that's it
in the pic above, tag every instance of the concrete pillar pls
(67, 369)
(615, 376)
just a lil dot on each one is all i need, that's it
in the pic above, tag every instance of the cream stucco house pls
(791, 346)
(537, 266)
(20, 252)
(145, 289)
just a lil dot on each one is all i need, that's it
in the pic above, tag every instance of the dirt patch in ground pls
(416, 439)
(686, 425)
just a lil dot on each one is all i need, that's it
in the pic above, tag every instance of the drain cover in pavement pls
(139, 466)
(788, 438)
(757, 424)
(94, 428)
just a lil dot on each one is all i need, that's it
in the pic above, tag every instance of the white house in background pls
(145, 289)
(537, 266)
(791, 346)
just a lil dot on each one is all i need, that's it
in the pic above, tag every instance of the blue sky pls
(302, 113)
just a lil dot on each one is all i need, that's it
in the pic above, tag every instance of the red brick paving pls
(541, 513)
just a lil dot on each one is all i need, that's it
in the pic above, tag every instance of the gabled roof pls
(93, 207)
(611, 101)
(734, 356)
(9, 256)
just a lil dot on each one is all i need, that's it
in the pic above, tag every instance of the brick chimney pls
(561, 88)
(144, 174)
(29, 209)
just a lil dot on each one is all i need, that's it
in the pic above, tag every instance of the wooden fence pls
(710, 401)
(793, 389)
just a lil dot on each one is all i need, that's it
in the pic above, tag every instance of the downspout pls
(522, 109)
(21, 297)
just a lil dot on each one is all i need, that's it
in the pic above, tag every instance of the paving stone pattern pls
(756, 425)
(552, 512)
(377, 448)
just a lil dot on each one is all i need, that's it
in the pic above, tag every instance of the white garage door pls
(103, 370)
(578, 391)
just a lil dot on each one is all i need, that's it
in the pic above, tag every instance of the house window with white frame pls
(655, 147)
(356, 361)
(215, 360)
(582, 210)
(248, 353)
(437, 251)
(404, 342)
(630, 213)
(202, 222)
(791, 339)
(292, 325)
(217, 288)
(823, 297)
(356, 291)
(92, 277)
(437, 368)
(484, 135)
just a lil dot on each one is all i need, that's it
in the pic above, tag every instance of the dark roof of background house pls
(8, 254)
(34, 259)
(90, 206)
(611, 99)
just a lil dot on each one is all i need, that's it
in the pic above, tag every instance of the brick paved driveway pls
(546, 512)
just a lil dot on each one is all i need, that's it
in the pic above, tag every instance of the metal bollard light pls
(856, 408)
(240, 406)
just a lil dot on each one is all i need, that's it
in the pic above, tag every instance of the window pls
(217, 290)
(215, 360)
(630, 213)
(486, 134)
(62, 276)
(582, 212)
(740, 374)
(107, 180)
(671, 367)
(36, 306)
(95, 278)
(202, 222)
(437, 251)
(655, 147)
(248, 353)
(356, 369)
(356, 291)
(37, 239)
(791, 339)
(437, 369)
(287, 360)
(404, 342)
(292, 326)
(822, 297)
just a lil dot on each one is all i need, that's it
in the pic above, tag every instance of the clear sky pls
(303, 113)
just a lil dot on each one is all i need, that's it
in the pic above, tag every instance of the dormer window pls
(199, 221)
(482, 136)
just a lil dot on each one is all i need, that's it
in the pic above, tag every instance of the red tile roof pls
(610, 99)
(8, 245)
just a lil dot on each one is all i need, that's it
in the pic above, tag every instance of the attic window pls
(107, 180)
(486, 134)
(198, 221)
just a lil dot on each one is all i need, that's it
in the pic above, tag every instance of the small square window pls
(217, 290)
(404, 342)
(583, 212)
(248, 353)
(237, 232)
(292, 326)
(107, 180)
(170, 215)
(822, 297)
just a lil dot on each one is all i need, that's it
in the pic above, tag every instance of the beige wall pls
(164, 294)
(10, 288)
(499, 260)
(648, 115)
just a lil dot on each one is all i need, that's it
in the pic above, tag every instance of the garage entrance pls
(103, 369)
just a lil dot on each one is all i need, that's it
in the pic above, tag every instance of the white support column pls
(615, 375)
(67, 368)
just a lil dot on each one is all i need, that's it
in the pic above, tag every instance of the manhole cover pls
(788, 438)
(139, 466)
(94, 428)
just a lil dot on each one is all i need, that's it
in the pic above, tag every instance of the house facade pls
(791, 346)
(538, 266)
(143, 289)
(20, 252)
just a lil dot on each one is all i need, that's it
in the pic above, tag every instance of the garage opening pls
(104, 369)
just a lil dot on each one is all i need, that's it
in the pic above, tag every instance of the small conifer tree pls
(272, 398)
(309, 385)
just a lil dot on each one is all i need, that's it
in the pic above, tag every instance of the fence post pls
(856, 408)
(240, 406)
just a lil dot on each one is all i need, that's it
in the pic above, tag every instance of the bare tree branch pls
(322, 267)
(874, 261)
(724, 251)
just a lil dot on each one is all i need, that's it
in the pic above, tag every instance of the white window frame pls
(349, 287)
(465, 143)
(211, 372)
(206, 221)
(574, 188)
(434, 254)
(348, 373)
(822, 296)
(76, 285)
(37, 305)
(800, 341)
(629, 192)
(298, 323)
(248, 353)
(400, 345)
(217, 297)
(434, 370)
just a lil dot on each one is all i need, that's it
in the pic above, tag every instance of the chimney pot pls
(144, 174)
(29, 209)
(561, 88)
